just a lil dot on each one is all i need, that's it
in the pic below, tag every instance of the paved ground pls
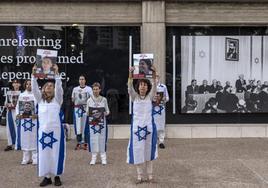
(197, 163)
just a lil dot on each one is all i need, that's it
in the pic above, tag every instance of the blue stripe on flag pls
(74, 120)
(19, 135)
(11, 127)
(106, 135)
(37, 138)
(154, 139)
(62, 147)
(87, 130)
(130, 150)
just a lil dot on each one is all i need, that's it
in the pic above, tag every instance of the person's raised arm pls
(58, 86)
(154, 85)
(35, 88)
(132, 93)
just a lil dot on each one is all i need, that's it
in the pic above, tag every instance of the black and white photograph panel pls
(224, 74)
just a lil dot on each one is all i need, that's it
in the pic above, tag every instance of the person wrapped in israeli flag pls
(27, 125)
(159, 110)
(51, 139)
(142, 147)
(11, 123)
(97, 110)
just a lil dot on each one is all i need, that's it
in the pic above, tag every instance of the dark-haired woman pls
(142, 147)
(51, 141)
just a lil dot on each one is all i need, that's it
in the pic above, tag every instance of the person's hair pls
(47, 57)
(44, 96)
(146, 81)
(13, 81)
(147, 61)
(212, 101)
(96, 84)
(25, 82)
(191, 104)
(82, 76)
(193, 80)
(227, 87)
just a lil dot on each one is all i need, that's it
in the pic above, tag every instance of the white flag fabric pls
(142, 145)
(26, 134)
(51, 141)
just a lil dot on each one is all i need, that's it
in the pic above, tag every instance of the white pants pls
(161, 135)
(27, 156)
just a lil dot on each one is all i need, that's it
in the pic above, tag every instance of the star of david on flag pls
(97, 128)
(142, 133)
(28, 125)
(44, 140)
(161, 108)
(80, 111)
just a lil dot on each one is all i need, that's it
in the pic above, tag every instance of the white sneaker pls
(24, 162)
(92, 162)
(104, 161)
(34, 162)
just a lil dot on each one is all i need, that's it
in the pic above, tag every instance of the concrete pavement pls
(185, 163)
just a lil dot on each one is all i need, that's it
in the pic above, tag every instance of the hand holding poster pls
(45, 61)
(143, 66)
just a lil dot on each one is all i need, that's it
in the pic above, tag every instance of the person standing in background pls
(97, 129)
(27, 125)
(10, 104)
(80, 96)
(159, 110)
(241, 84)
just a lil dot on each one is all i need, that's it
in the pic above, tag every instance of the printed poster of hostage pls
(96, 116)
(143, 65)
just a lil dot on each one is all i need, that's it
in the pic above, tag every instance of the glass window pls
(99, 53)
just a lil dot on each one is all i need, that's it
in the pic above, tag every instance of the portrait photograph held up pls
(45, 61)
(143, 66)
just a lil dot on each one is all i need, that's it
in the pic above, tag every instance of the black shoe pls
(46, 181)
(57, 181)
(8, 148)
(77, 147)
(162, 146)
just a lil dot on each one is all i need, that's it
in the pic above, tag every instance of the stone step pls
(184, 131)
